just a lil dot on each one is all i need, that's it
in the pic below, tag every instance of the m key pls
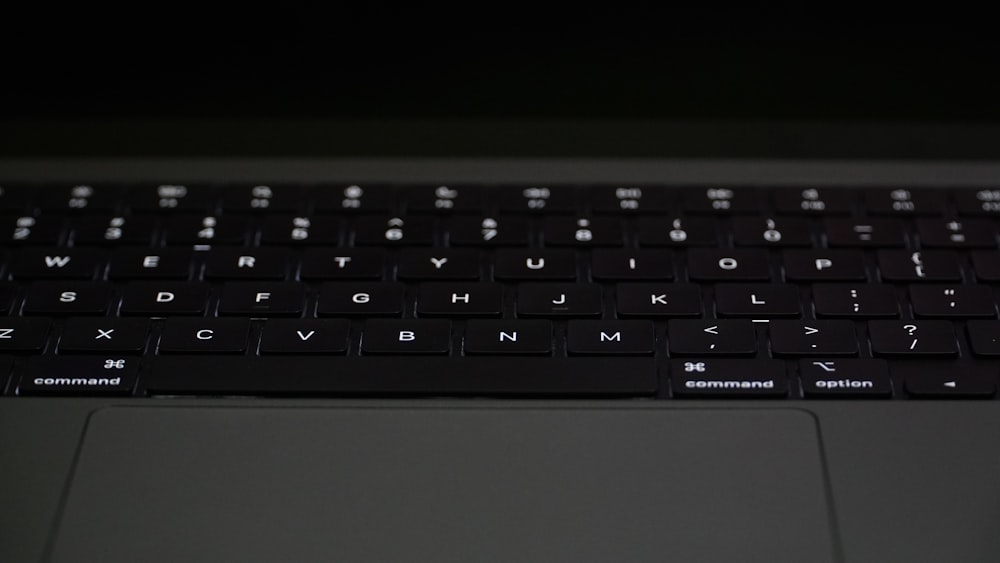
(610, 337)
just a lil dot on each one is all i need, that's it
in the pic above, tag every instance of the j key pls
(390, 336)
(26, 229)
(711, 337)
(342, 263)
(291, 230)
(534, 264)
(156, 263)
(630, 199)
(67, 298)
(610, 337)
(558, 300)
(728, 378)
(902, 201)
(698, 231)
(912, 338)
(165, 298)
(113, 230)
(978, 202)
(864, 233)
(364, 198)
(757, 300)
(824, 265)
(749, 231)
(947, 381)
(813, 338)
(850, 300)
(721, 200)
(365, 299)
(262, 299)
(438, 264)
(443, 199)
(260, 197)
(104, 335)
(614, 264)
(14, 198)
(508, 337)
(538, 199)
(489, 231)
(305, 336)
(657, 300)
(984, 337)
(246, 263)
(565, 231)
(952, 301)
(204, 335)
(728, 265)
(967, 233)
(83, 196)
(194, 229)
(416, 231)
(814, 201)
(171, 197)
(848, 378)
(986, 264)
(79, 375)
(928, 265)
(23, 334)
(66, 263)
(458, 300)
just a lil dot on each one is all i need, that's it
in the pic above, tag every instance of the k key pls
(657, 300)
(104, 335)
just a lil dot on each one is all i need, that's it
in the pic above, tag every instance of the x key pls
(104, 335)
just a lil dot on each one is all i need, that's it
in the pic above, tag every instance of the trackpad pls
(446, 485)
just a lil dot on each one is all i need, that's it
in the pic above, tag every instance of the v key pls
(305, 336)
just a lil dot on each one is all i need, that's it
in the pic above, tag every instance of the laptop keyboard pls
(499, 291)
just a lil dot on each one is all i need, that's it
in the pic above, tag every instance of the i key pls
(912, 338)
(607, 264)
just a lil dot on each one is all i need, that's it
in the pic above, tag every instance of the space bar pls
(399, 376)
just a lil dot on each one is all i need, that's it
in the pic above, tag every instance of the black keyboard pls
(499, 291)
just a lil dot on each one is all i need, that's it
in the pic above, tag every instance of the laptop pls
(566, 309)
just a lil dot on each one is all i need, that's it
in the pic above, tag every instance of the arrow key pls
(813, 338)
(712, 337)
(948, 381)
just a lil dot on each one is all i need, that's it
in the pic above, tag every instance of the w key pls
(75, 263)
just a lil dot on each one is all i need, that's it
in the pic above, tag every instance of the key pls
(80, 197)
(752, 231)
(79, 375)
(912, 338)
(113, 230)
(864, 233)
(260, 197)
(416, 231)
(187, 336)
(968, 233)
(392, 336)
(508, 337)
(67, 298)
(7, 292)
(928, 265)
(614, 264)
(438, 264)
(630, 199)
(262, 299)
(205, 230)
(305, 336)
(342, 263)
(150, 263)
(657, 300)
(711, 337)
(14, 198)
(565, 231)
(610, 337)
(246, 263)
(947, 381)
(558, 300)
(20, 334)
(366, 198)
(986, 265)
(728, 378)
(728, 265)
(757, 300)
(27, 229)
(165, 298)
(824, 265)
(489, 231)
(698, 231)
(721, 200)
(6, 364)
(538, 199)
(363, 299)
(460, 300)
(299, 230)
(533, 264)
(171, 197)
(393, 376)
(952, 301)
(845, 378)
(55, 263)
(813, 338)
(904, 201)
(978, 202)
(443, 199)
(814, 201)
(104, 335)
(854, 300)
(984, 337)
